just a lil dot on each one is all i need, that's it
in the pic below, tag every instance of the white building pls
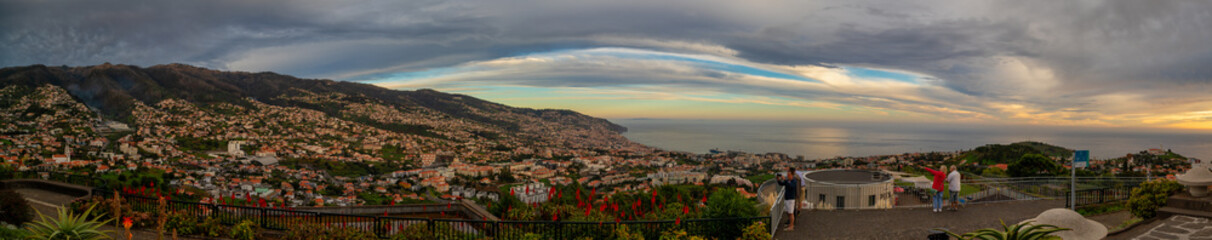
(233, 148)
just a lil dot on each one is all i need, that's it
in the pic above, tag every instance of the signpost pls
(1081, 158)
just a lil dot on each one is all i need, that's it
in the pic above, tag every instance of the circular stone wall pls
(848, 189)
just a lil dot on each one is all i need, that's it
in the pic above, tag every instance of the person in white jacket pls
(953, 186)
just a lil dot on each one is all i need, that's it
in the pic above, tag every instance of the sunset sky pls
(1085, 63)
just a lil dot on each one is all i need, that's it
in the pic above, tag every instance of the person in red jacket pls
(939, 176)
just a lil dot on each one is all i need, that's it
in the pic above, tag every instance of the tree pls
(1034, 165)
(13, 208)
(1144, 158)
(506, 176)
(727, 203)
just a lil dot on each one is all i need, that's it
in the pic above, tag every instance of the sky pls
(1123, 64)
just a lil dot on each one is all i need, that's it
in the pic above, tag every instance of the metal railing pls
(387, 226)
(776, 211)
(1090, 190)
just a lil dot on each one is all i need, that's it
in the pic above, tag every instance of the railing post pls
(1101, 193)
(377, 227)
(431, 227)
(264, 215)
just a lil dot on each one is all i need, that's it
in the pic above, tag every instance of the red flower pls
(126, 222)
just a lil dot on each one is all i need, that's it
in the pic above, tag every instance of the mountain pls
(119, 91)
(998, 153)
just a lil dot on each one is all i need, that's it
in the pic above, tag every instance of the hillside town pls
(302, 157)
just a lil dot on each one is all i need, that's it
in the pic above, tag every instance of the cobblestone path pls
(1180, 227)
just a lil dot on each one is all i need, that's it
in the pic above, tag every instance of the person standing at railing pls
(953, 185)
(790, 184)
(937, 187)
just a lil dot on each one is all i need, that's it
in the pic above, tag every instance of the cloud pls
(1078, 62)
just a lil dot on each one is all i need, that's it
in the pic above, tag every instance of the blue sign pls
(1081, 158)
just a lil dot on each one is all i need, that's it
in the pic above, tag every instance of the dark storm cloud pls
(1074, 57)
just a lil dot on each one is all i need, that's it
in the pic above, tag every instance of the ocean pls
(819, 140)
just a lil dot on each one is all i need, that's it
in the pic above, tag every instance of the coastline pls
(824, 140)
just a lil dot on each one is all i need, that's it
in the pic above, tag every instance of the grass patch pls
(392, 153)
(1101, 209)
(968, 189)
(965, 190)
(760, 178)
(1127, 223)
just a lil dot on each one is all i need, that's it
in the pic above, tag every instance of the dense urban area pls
(300, 157)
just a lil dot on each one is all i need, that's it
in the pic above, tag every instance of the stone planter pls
(1197, 180)
(1198, 191)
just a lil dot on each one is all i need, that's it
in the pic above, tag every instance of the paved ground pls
(1175, 227)
(913, 223)
(1112, 220)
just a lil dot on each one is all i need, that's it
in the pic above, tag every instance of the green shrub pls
(301, 232)
(756, 231)
(533, 236)
(345, 233)
(68, 226)
(676, 234)
(727, 203)
(1021, 231)
(304, 232)
(8, 231)
(14, 209)
(423, 231)
(211, 227)
(1150, 196)
(622, 233)
(184, 224)
(245, 230)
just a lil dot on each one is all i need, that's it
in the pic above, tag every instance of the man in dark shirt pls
(791, 185)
